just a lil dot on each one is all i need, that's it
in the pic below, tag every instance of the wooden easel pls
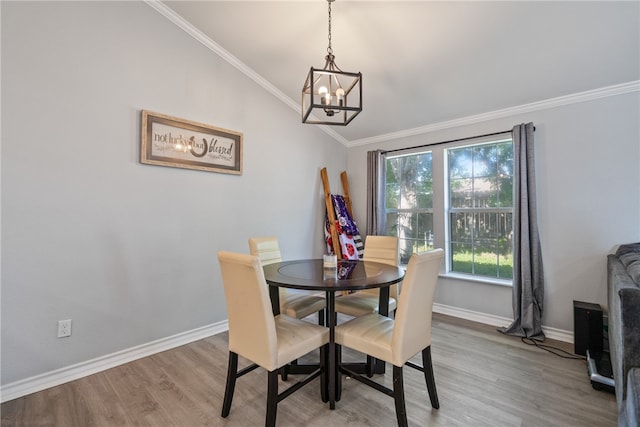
(330, 211)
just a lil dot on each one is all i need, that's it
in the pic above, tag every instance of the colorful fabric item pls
(342, 215)
(351, 244)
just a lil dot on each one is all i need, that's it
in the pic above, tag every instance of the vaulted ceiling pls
(426, 62)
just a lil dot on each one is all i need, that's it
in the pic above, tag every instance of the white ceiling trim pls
(168, 13)
(507, 112)
(235, 62)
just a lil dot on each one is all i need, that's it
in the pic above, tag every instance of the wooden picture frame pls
(180, 143)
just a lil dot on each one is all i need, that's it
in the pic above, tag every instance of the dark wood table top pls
(349, 275)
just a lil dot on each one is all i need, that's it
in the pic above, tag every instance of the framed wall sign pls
(180, 143)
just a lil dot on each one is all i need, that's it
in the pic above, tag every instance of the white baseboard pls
(63, 375)
(497, 321)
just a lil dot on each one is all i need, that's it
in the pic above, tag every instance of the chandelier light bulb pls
(325, 96)
(340, 96)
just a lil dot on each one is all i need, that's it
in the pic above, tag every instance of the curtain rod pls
(449, 142)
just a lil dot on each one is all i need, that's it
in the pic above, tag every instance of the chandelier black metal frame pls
(331, 96)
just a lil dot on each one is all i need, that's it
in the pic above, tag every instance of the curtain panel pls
(528, 277)
(376, 171)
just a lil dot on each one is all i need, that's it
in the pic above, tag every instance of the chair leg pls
(398, 396)
(284, 372)
(321, 317)
(272, 398)
(370, 363)
(429, 378)
(231, 383)
(338, 373)
(324, 392)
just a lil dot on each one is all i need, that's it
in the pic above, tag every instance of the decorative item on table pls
(330, 261)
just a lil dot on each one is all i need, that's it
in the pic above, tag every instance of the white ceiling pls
(427, 62)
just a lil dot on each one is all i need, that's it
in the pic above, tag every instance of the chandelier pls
(331, 96)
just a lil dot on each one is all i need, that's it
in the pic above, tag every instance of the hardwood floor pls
(483, 379)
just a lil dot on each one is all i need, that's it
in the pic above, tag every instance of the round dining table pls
(347, 276)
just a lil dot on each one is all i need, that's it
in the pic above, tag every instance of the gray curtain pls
(528, 280)
(375, 193)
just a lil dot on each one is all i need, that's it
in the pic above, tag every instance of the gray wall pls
(128, 251)
(588, 182)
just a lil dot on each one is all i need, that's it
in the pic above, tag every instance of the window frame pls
(440, 209)
(418, 210)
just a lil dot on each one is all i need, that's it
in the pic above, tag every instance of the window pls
(409, 203)
(480, 217)
(466, 207)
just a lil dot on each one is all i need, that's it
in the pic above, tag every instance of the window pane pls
(485, 226)
(460, 193)
(460, 165)
(407, 223)
(484, 160)
(481, 176)
(424, 231)
(392, 224)
(414, 231)
(461, 225)
(485, 259)
(505, 245)
(405, 248)
(481, 244)
(504, 153)
(505, 192)
(392, 195)
(461, 259)
(424, 182)
(484, 194)
(392, 171)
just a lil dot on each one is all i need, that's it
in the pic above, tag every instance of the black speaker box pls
(587, 324)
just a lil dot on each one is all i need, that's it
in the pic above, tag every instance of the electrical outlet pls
(64, 328)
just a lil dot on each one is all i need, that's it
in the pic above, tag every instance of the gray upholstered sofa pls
(624, 330)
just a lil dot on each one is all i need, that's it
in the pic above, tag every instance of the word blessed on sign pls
(197, 148)
(170, 141)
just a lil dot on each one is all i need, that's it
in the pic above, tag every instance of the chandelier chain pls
(329, 49)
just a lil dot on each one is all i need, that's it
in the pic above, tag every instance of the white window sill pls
(477, 279)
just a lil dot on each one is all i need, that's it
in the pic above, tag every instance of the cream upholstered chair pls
(397, 340)
(379, 249)
(256, 334)
(294, 303)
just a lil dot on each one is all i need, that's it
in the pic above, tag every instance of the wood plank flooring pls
(483, 379)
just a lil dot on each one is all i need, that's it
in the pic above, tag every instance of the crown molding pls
(206, 41)
(589, 95)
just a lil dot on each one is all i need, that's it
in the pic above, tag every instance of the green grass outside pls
(484, 265)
